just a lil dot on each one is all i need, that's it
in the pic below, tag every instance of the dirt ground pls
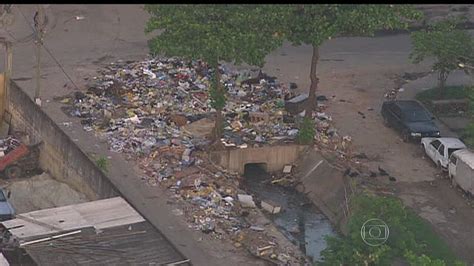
(357, 70)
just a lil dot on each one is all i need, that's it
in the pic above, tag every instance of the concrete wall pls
(325, 186)
(60, 156)
(276, 157)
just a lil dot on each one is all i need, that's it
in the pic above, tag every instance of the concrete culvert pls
(252, 169)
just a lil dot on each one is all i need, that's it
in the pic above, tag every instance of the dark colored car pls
(410, 118)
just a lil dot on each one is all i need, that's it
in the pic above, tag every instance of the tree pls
(214, 33)
(447, 44)
(315, 24)
(410, 237)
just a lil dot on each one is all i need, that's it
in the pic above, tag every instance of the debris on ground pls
(8, 144)
(270, 207)
(157, 112)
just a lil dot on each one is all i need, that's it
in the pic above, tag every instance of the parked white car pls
(461, 170)
(440, 149)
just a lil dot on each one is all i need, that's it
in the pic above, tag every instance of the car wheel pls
(13, 171)
(438, 164)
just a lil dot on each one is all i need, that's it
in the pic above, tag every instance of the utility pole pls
(39, 21)
(5, 87)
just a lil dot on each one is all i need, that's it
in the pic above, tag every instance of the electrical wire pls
(47, 50)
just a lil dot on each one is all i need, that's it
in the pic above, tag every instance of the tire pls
(438, 165)
(406, 136)
(13, 171)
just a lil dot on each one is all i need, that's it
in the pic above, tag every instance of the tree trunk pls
(442, 77)
(311, 103)
(217, 132)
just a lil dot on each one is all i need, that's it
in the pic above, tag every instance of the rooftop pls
(135, 244)
(467, 156)
(452, 143)
(101, 232)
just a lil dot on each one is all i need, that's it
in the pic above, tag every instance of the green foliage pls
(213, 33)
(102, 163)
(306, 131)
(232, 33)
(445, 43)
(450, 92)
(314, 24)
(409, 235)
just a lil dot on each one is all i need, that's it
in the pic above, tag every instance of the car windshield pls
(450, 151)
(416, 116)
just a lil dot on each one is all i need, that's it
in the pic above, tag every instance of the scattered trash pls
(246, 201)
(270, 207)
(257, 228)
(321, 98)
(287, 169)
(382, 172)
(178, 212)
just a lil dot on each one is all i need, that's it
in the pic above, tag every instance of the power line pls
(47, 50)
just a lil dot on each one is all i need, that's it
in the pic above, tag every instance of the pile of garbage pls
(161, 95)
(7, 145)
(150, 110)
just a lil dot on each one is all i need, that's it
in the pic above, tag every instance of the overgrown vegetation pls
(103, 164)
(411, 238)
(215, 33)
(450, 92)
(306, 131)
(447, 44)
(315, 24)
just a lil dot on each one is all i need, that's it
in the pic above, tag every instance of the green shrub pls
(102, 163)
(410, 237)
(306, 131)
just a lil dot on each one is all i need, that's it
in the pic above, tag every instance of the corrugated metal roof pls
(135, 244)
(101, 232)
(98, 214)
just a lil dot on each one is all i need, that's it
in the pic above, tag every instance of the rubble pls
(8, 144)
(270, 207)
(287, 169)
(246, 201)
(157, 112)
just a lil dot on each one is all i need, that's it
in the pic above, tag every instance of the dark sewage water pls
(299, 220)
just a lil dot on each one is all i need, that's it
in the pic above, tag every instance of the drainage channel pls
(299, 220)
